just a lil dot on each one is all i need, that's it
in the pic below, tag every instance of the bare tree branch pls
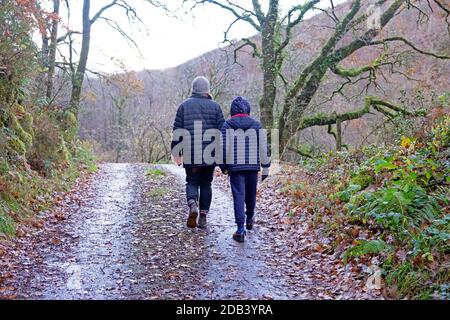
(447, 11)
(102, 10)
(113, 24)
(246, 15)
(401, 39)
(302, 9)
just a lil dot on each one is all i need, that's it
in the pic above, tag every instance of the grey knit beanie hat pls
(201, 85)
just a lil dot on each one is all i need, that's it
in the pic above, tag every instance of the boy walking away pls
(245, 151)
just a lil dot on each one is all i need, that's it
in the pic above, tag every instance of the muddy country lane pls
(123, 236)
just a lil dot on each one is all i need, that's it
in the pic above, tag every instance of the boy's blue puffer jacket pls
(244, 154)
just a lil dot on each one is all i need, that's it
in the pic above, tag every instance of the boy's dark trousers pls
(244, 185)
(200, 178)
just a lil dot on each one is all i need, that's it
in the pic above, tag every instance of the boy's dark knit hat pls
(240, 105)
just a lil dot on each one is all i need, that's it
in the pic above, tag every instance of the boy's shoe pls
(193, 213)
(202, 219)
(239, 236)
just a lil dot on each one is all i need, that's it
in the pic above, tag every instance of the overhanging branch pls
(246, 42)
(384, 107)
(408, 43)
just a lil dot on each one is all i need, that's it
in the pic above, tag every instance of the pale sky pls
(169, 41)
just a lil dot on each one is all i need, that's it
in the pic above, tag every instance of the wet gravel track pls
(127, 240)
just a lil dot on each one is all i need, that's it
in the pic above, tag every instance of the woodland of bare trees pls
(74, 63)
(138, 126)
(357, 27)
(356, 48)
(65, 54)
(337, 80)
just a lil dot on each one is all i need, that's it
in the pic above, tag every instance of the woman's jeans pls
(198, 185)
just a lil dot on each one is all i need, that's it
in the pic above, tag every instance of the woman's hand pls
(178, 160)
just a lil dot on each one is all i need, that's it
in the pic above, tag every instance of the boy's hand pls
(264, 177)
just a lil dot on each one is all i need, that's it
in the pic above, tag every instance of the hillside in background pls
(145, 118)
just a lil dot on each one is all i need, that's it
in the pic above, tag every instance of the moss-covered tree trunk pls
(294, 116)
(269, 65)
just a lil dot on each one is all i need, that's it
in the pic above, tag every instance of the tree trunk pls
(269, 66)
(52, 49)
(44, 51)
(290, 123)
(267, 101)
(338, 134)
(77, 80)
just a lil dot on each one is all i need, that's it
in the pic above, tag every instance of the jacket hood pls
(240, 106)
(244, 123)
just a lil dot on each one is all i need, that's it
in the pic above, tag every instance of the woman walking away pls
(245, 151)
(200, 109)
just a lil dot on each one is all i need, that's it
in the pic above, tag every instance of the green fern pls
(366, 247)
(7, 225)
